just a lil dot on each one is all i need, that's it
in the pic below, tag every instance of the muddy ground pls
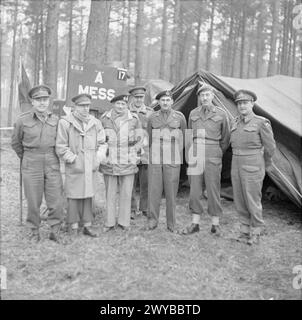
(148, 264)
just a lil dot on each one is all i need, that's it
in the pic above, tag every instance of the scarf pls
(80, 117)
(119, 117)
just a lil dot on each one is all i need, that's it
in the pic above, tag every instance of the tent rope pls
(225, 108)
(284, 177)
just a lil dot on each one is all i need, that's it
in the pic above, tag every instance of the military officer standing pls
(211, 131)
(143, 112)
(122, 130)
(253, 146)
(34, 140)
(166, 130)
(81, 145)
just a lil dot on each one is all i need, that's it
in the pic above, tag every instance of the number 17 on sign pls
(121, 74)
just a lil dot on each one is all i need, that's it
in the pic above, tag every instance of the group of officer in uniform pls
(131, 143)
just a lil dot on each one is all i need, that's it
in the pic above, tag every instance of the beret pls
(39, 91)
(123, 97)
(167, 93)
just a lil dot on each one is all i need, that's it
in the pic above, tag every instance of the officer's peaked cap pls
(138, 91)
(82, 99)
(244, 95)
(40, 91)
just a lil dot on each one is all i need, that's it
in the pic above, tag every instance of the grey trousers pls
(118, 187)
(41, 175)
(142, 177)
(163, 177)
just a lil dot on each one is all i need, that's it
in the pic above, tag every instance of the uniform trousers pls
(210, 178)
(41, 175)
(163, 177)
(118, 187)
(80, 210)
(142, 177)
(247, 175)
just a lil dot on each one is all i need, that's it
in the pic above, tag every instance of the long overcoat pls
(81, 149)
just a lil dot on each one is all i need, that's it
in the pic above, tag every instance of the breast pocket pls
(250, 136)
(156, 125)
(51, 130)
(174, 124)
(213, 127)
(196, 123)
(31, 131)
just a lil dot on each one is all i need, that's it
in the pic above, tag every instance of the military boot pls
(254, 236)
(54, 233)
(216, 230)
(88, 232)
(34, 235)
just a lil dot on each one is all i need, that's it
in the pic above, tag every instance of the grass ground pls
(148, 264)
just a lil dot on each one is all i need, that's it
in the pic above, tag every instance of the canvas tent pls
(279, 100)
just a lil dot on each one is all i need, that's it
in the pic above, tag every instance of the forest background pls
(152, 39)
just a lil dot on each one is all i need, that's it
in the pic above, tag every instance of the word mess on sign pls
(102, 83)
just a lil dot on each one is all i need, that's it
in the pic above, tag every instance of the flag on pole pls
(23, 89)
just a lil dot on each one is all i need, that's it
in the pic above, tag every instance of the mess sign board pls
(102, 83)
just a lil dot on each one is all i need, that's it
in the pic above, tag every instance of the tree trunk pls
(242, 52)
(197, 45)
(42, 49)
(210, 38)
(95, 51)
(37, 50)
(174, 47)
(234, 50)
(184, 53)
(294, 53)
(163, 50)
(279, 54)
(0, 65)
(52, 22)
(300, 59)
(123, 31)
(250, 49)
(149, 67)
(249, 62)
(107, 37)
(260, 47)
(70, 44)
(275, 7)
(129, 34)
(69, 51)
(285, 40)
(80, 53)
(139, 43)
(230, 43)
(13, 68)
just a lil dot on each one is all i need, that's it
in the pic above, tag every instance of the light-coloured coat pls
(82, 150)
(124, 144)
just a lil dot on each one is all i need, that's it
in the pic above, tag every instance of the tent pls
(279, 100)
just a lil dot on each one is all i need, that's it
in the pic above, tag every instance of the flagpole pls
(21, 194)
